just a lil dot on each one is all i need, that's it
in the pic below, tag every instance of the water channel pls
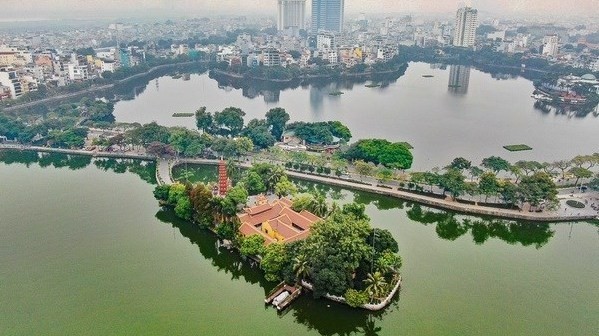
(460, 111)
(86, 250)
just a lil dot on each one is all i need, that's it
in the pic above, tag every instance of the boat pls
(282, 295)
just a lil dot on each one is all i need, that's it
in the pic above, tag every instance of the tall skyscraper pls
(466, 22)
(327, 15)
(291, 15)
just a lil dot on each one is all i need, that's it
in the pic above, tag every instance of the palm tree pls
(301, 268)
(375, 285)
(186, 174)
(319, 206)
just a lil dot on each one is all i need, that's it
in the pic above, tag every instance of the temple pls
(223, 179)
(276, 221)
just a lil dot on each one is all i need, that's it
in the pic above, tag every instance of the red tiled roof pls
(292, 226)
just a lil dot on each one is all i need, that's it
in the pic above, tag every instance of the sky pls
(20, 8)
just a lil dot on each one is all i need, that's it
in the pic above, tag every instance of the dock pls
(282, 295)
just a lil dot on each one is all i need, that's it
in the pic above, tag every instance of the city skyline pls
(42, 8)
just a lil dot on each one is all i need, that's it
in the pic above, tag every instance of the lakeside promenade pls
(164, 176)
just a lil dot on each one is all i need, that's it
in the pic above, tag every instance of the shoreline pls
(439, 203)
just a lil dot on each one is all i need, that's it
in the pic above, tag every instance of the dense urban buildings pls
(327, 15)
(291, 16)
(466, 22)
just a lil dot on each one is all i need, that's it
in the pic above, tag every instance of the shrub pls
(356, 298)
(327, 170)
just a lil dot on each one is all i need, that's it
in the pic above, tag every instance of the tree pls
(276, 118)
(229, 121)
(301, 267)
(356, 298)
(252, 245)
(159, 149)
(453, 182)
(243, 146)
(238, 195)
(460, 163)
(364, 169)
(508, 192)
(528, 167)
(319, 206)
(380, 151)
(537, 188)
(376, 285)
(149, 133)
(388, 262)
(382, 240)
(334, 249)
(302, 202)
(488, 184)
(384, 174)
(580, 172)
(254, 184)
(183, 208)
(176, 191)
(357, 210)
(204, 120)
(475, 172)
(161, 192)
(273, 261)
(201, 202)
(496, 164)
(257, 131)
(285, 188)
(562, 166)
(594, 184)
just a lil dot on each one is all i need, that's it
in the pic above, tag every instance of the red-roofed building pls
(277, 222)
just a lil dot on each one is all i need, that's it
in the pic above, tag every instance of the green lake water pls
(85, 250)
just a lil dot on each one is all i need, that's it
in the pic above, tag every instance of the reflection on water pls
(326, 317)
(459, 79)
(146, 170)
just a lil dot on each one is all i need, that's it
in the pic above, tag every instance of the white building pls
(10, 79)
(108, 66)
(291, 16)
(326, 41)
(77, 72)
(466, 22)
(550, 45)
(498, 35)
(271, 57)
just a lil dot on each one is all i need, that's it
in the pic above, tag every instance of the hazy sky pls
(199, 7)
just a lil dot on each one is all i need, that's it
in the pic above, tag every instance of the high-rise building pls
(550, 45)
(466, 22)
(291, 15)
(327, 15)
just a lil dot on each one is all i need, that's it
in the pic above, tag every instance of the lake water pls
(85, 250)
(458, 112)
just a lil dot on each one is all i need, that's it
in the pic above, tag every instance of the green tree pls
(161, 192)
(257, 131)
(277, 118)
(594, 184)
(204, 120)
(252, 245)
(183, 208)
(319, 206)
(376, 285)
(496, 164)
(382, 240)
(356, 298)
(229, 121)
(388, 262)
(537, 188)
(453, 182)
(488, 184)
(254, 183)
(285, 188)
(302, 202)
(460, 163)
(363, 168)
(384, 174)
(580, 173)
(176, 191)
(528, 167)
(273, 261)
(562, 166)
(201, 202)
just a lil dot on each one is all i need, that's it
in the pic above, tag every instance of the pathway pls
(545, 216)
(163, 172)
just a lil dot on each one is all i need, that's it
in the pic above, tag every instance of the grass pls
(517, 148)
(575, 204)
(183, 114)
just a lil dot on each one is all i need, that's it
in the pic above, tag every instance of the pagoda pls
(223, 178)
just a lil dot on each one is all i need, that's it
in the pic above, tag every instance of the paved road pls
(163, 172)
